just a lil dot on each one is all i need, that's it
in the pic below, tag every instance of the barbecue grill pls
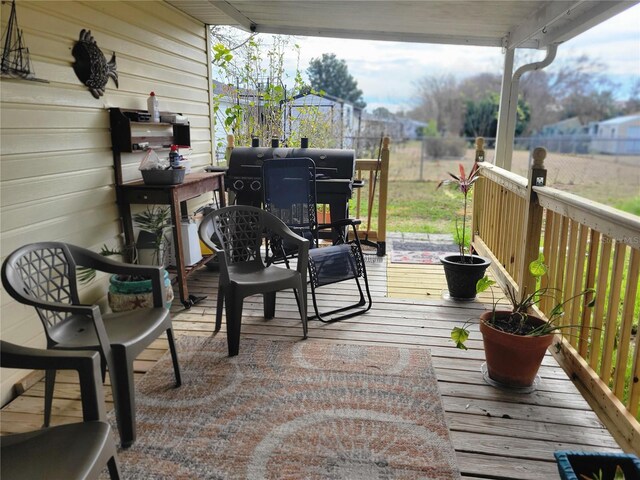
(335, 169)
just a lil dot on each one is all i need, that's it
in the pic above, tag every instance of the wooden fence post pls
(479, 149)
(231, 143)
(382, 199)
(532, 220)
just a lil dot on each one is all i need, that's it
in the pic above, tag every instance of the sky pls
(387, 72)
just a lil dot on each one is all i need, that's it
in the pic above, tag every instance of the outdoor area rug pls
(427, 253)
(290, 410)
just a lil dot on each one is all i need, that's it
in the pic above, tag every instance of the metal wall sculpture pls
(91, 66)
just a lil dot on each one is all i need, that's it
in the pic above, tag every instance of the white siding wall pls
(56, 175)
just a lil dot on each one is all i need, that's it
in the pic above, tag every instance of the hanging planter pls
(127, 295)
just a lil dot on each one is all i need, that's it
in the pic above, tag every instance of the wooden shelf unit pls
(126, 135)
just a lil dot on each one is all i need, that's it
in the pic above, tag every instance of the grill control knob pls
(256, 185)
(238, 185)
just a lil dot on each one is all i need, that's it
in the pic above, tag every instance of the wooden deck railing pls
(585, 245)
(588, 245)
(371, 201)
(498, 219)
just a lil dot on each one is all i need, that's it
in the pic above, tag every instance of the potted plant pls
(128, 292)
(463, 270)
(597, 466)
(515, 340)
(152, 240)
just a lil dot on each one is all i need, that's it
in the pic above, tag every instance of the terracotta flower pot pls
(513, 360)
(462, 277)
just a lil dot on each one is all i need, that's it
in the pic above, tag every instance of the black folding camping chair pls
(290, 194)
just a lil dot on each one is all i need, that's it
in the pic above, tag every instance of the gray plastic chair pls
(237, 234)
(73, 451)
(43, 275)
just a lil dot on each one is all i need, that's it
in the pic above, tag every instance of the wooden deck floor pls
(496, 433)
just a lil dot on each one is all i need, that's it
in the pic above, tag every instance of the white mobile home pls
(618, 136)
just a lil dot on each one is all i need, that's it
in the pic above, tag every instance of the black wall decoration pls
(91, 65)
(16, 59)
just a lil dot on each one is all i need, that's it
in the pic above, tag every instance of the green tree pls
(382, 112)
(572, 86)
(481, 118)
(440, 98)
(330, 75)
(632, 105)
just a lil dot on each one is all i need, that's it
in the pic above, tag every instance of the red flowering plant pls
(464, 183)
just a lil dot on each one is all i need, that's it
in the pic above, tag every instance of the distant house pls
(397, 128)
(618, 136)
(568, 126)
(411, 129)
(343, 115)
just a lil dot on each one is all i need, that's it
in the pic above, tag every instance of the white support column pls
(507, 118)
(212, 120)
(502, 148)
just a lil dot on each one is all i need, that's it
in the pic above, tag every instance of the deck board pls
(497, 434)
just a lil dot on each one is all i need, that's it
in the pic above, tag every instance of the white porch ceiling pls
(499, 23)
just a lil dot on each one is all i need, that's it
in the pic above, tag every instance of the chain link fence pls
(607, 171)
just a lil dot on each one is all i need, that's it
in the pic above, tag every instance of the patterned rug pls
(290, 410)
(427, 253)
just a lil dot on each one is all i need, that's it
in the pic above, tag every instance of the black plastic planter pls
(462, 277)
(572, 465)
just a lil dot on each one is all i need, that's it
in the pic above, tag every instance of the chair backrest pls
(290, 194)
(42, 272)
(238, 231)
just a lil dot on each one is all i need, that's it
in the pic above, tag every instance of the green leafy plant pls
(599, 475)
(517, 321)
(155, 220)
(255, 100)
(463, 182)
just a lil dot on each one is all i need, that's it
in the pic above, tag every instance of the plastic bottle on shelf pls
(174, 157)
(152, 106)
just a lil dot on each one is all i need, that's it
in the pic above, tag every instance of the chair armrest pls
(87, 258)
(280, 228)
(87, 363)
(303, 249)
(18, 356)
(340, 223)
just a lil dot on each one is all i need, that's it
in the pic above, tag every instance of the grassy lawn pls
(631, 205)
(605, 179)
(418, 208)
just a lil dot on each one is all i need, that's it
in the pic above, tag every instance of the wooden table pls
(176, 197)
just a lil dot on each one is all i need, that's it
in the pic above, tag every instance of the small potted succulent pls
(463, 269)
(516, 340)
